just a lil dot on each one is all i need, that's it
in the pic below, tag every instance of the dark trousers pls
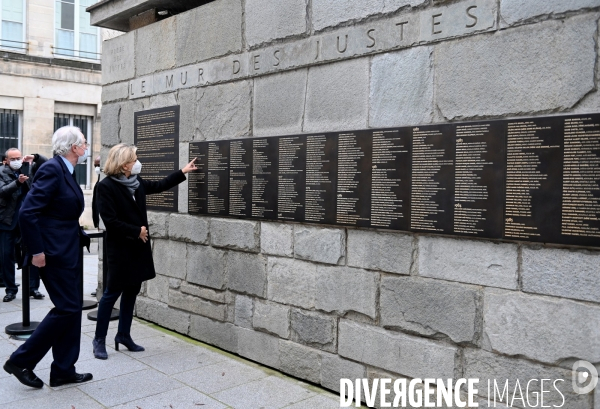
(109, 297)
(7, 259)
(34, 279)
(60, 330)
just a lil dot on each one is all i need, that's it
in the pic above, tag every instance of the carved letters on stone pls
(393, 33)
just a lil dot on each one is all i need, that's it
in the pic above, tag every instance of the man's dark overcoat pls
(49, 219)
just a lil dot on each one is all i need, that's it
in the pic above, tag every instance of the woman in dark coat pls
(121, 201)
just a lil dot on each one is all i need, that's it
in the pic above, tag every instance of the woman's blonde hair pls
(118, 156)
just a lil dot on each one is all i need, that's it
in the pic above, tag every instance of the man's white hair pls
(64, 138)
(10, 150)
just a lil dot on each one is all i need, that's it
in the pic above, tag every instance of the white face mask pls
(15, 164)
(137, 168)
(97, 169)
(83, 158)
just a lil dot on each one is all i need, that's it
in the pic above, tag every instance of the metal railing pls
(67, 52)
(18, 45)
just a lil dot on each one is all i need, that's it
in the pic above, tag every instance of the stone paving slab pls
(126, 388)
(11, 391)
(158, 345)
(185, 397)
(174, 371)
(68, 398)
(120, 364)
(316, 402)
(272, 392)
(220, 376)
(175, 362)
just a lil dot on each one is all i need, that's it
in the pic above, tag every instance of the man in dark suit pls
(49, 220)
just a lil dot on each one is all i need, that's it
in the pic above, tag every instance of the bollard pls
(89, 304)
(26, 327)
(93, 315)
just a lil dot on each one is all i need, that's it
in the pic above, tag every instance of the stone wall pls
(322, 302)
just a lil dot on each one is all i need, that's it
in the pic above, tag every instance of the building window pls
(75, 37)
(84, 123)
(12, 20)
(10, 130)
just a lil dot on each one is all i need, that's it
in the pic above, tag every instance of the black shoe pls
(77, 378)
(37, 295)
(9, 297)
(2, 285)
(25, 376)
(126, 340)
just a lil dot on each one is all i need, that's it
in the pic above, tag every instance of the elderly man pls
(49, 221)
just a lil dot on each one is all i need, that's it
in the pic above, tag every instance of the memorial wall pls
(534, 179)
(386, 189)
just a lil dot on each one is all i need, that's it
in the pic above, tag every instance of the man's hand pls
(144, 234)
(39, 260)
(189, 167)
(28, 158)
(23, 178)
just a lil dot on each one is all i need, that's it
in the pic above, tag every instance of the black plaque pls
(240, 178)
(432, 193)
(523, 179)
(321, 178)
(265, 163)
(390, 179)
(479, 179)
(581, 181)
(208, 190)
(534, 164)
(291, 178)
(354, 179)
(156, 135)
(197, 186)
(217, 178)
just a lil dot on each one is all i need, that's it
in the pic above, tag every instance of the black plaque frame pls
(156, 135)
(527, 179)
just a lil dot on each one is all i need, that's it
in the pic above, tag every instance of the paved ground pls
(174, 372)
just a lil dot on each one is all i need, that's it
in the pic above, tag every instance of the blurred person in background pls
(14, 185)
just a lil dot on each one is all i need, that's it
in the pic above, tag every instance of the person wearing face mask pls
(6, 176)
(49, 220)
(14, 185)
(121, 201)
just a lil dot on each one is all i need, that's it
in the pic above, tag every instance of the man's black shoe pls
(77, 378)
(37, 295)
(9, 297)
(2, 285)
(25, 376)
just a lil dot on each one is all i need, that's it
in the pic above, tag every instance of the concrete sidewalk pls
(173, 372)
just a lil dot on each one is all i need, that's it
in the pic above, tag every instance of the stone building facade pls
(46, 82)
(323, 303)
